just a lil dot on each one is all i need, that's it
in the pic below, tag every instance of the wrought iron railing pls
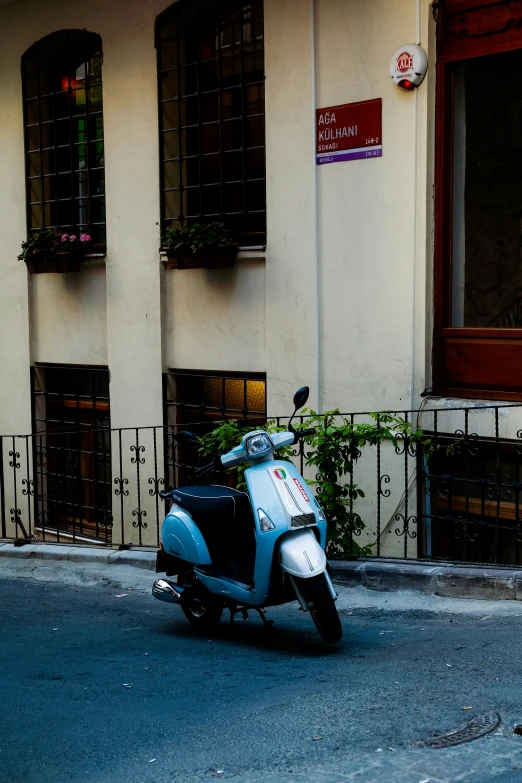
(451, 494)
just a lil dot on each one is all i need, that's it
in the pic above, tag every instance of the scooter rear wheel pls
(322, 607)
(199, 613)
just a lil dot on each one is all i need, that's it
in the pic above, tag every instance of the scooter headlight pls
(265, 523)
(258, 445)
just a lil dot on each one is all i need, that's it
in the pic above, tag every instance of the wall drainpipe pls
(415, 215)
(315, 215)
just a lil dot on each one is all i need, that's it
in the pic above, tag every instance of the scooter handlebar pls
(166, 495)
(306, 433)
(214, 465)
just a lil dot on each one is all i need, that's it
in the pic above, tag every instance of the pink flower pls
(85, 238)
(65, 237)
(72, 238)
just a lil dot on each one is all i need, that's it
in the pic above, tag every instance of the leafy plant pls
(196, 236)
(333, 452)
(223, 438)
(52, 240)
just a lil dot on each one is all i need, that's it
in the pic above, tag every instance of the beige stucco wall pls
(210, 320)
(215, 318)
(290, 267)
(74, 331)
(362, 229)
(372, 212)
(366, 335)
(14, 308)
(372, 226)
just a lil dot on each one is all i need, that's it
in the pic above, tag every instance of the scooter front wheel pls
(322, 607)
(200, 613)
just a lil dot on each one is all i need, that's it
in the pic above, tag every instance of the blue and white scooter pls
(242, 551)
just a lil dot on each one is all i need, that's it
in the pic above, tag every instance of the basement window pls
(196, 401)
(72, 453)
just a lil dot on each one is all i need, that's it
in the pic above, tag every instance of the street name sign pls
(349, 132)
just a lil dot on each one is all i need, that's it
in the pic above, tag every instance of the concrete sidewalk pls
(446, 580)
(142, 558)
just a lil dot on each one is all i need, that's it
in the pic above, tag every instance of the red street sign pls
(349, 132)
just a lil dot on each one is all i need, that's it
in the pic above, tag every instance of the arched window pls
(63, 118)
(212, 123)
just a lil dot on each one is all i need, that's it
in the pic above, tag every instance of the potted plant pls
(52, 250)
(200, 246)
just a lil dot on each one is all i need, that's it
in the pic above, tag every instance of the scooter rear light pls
(265, 523)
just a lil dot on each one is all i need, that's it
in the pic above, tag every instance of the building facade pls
(369, 280)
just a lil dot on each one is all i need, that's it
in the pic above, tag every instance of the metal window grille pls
(72, 452)
(212, 116)
(471, 499)
(197, 397)
(63, 120)
(195, 401)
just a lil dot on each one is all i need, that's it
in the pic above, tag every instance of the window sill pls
(94, 259)
(244, 254)
(251, 254)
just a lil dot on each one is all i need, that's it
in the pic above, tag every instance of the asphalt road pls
(108, 689)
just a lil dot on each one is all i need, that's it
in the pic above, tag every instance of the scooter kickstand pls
(233, 612)
(262, 614)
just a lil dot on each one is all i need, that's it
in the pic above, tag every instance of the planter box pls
(54, 262)
(208, 258)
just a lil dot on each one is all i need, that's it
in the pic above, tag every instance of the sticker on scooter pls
(301, 489)
(280, 474)
(294, 499)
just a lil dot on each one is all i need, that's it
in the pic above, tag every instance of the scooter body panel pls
(230, 590)
(277, 488)
(182, 538)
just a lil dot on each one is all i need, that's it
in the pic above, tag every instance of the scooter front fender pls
(301, 555)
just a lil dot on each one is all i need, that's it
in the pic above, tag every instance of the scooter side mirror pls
(301, 397)
(186, 438)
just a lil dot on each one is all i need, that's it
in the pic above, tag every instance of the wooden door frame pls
(467, 29)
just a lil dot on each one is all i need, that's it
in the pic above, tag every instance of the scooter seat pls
(208, 502)
(224, 517)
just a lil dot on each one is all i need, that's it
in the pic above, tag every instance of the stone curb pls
(445, 580)
(81, 554)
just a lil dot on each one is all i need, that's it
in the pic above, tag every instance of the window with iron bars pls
(212, 123)
(72, 452)
(63, 119)
(196, 400)
(471, 500)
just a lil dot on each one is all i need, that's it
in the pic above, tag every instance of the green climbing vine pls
(332, 453)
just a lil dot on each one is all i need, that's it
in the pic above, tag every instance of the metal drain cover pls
(476, 727)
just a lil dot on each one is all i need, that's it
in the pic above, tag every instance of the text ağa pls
(330, 134)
